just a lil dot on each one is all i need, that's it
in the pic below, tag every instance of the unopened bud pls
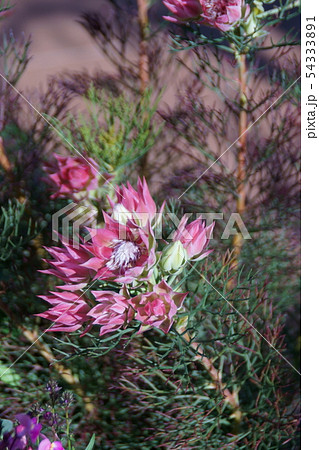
(174, 257)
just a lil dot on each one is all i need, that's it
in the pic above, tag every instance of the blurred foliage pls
(12, 238)
(117, 132)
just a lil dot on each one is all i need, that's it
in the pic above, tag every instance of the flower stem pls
(68, 428)
(241, 155)
(274, 11)
(143, 64)
(4, 161)
(230, 397)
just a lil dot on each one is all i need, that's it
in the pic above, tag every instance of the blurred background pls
(60, 43)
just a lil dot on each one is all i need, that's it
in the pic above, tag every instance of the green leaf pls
(91, 443)
(9, 376)
(5, 426)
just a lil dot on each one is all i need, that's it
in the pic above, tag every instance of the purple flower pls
(7, 441)
(28, 427)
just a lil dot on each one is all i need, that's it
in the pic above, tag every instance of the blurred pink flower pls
(68, 265)
(183, 10)
(139, 202)
(69, 311)
(223, 14)
(122, 253)
(194, 237)
(74, 177)
(47, 445)
(6, 13)
(158, 308)
(112, 312)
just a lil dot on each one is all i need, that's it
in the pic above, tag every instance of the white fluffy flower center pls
(124, 255)
(212, 8)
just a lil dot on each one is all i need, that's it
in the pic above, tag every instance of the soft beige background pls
(58, 41)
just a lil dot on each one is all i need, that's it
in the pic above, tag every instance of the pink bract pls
(137, 201)
(183, 10)
(112, 312)
(194, 237)
(122, 253)
(74, 176)
(158, 308)
(223, 14)
(69, 310)
(68, 265)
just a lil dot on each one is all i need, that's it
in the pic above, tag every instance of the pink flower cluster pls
(122, 256)
(75, 177)
(221, 14)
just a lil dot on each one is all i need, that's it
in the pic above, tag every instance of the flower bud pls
(181, 324)
(174, 257)
(252, 22)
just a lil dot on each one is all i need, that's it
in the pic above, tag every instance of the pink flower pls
(122, 253)
(139, 204)
(183, 10)
(47, 445)
(69, 310)
(112, 312)
(158, 308)
(6, 13)
(74, 177)
(68, 265)
(194, 237)
(223, 14)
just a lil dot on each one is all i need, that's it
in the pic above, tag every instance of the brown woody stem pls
(143, 63)
(4, 161)
(241, 155)
(230, 397)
